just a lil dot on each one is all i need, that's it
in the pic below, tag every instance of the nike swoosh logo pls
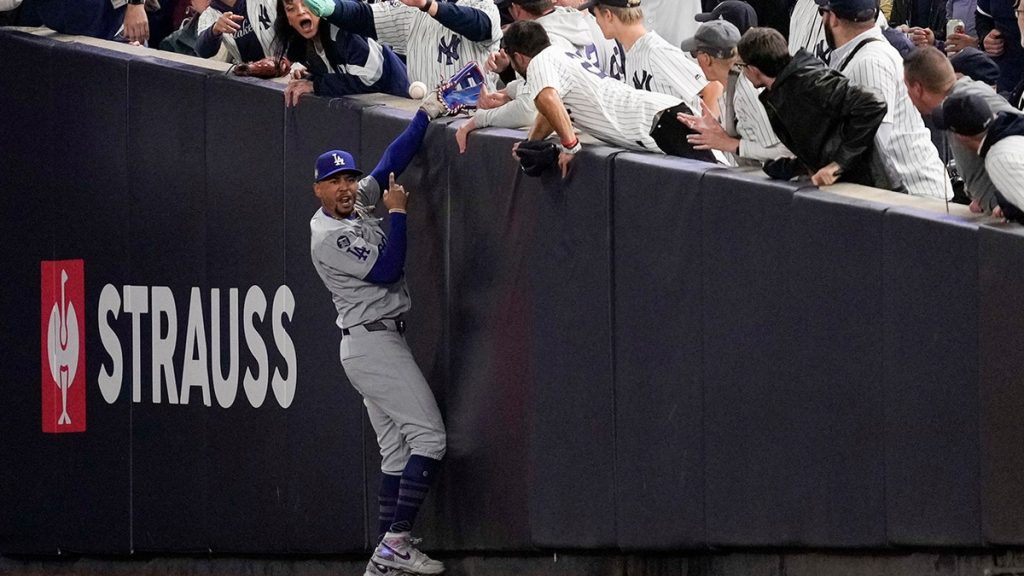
(397, 553)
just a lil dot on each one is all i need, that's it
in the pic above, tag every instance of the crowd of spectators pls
(916, 96)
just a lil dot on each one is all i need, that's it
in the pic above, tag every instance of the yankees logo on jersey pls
(264, 17)
(654, 65)
(448, 49)
(643, 83)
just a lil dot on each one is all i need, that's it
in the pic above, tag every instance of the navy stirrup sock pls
(416, 480)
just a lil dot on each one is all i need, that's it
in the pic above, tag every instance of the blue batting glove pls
(321, 8)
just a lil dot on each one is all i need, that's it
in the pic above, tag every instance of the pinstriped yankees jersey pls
(654, 65)
(757, 138)
(598, 104)
(903, 141)
(807, 31)
(433, 53)
(1005, 166)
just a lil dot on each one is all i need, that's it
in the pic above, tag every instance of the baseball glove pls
(264, 68)
(536, 156)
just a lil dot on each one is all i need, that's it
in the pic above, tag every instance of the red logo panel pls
(62, 345)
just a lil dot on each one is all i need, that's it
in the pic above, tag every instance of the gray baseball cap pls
(717, 37)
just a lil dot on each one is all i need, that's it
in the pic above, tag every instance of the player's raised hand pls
(395, 197)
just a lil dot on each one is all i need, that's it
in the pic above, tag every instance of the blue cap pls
(740, 14)
(976, 65)
(963, 113)
(330, 163)
(854, 10)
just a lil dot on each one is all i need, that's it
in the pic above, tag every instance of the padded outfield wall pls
(655, 354)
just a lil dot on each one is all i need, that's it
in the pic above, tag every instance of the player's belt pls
(393, 324)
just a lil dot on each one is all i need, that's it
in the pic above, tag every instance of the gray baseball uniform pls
(378, 363)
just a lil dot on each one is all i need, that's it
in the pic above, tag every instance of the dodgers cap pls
(335, 161)
(741, 14)
(717, 37)
(965, 114)
(976, 65)
(613, 3)
(853, 10)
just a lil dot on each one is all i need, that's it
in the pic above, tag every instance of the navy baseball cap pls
(741, 14)
(333, 162)
(853, 10)
(966, 114)
(717, 38)
(976, 65)
(613, 3)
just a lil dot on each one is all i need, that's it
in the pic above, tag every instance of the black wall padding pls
(492, 368)
(931, 380)
(1000, 302)
(659, 389)
(31, 492)
(245, 238)
(745, 252)
(426, 181)
(832, 400)
(89, 204)
(572, 473)
(654, 354)
(325, 460)
(167, 228)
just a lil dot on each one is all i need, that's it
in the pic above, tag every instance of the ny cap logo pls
(338, 160)
(62, 291)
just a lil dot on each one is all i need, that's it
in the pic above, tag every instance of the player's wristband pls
(571, 147)
(426, 6)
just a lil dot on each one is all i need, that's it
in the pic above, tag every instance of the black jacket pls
(821, 117)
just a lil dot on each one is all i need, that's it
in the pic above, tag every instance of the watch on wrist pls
(136, 2)
(571, 148)
(426, 6)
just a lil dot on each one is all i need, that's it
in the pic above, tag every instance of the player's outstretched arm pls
(402, 150)
(390, 262)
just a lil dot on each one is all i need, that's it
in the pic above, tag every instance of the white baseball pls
(417, 90)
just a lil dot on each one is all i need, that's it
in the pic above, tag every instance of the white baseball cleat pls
(374, 569)
(397, 551)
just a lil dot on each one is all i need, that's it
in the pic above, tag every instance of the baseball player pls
(437, 37)
(363, 269)
(744, 131)
(245, 27)
(903, 143)
(652, 63)
(336, 63)
(603, 107)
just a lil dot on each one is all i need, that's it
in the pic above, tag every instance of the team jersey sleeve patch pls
(350, 254)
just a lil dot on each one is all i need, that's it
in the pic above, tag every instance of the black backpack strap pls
(855, 50)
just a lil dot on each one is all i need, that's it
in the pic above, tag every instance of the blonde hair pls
(626, 15)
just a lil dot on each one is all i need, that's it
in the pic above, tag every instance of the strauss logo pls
(62, 345)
